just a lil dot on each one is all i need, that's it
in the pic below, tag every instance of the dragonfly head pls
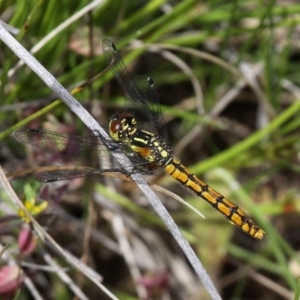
(121, 127)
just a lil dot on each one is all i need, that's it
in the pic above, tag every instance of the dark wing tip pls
(108, 45)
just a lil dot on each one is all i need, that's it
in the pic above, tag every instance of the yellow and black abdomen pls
(231, 211)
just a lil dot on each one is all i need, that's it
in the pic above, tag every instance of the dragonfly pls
(139, 132)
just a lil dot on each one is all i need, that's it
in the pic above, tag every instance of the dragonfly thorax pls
(123, 128)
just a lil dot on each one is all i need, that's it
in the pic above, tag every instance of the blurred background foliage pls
(227, 73)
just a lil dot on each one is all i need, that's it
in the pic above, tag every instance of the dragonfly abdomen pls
(231, 211)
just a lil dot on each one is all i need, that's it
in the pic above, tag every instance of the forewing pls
(142, 99)
(88, 155)
(146, 107)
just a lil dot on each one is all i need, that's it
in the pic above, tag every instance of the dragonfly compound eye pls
(115, 127)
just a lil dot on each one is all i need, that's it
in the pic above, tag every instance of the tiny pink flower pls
(26, 241)
(11, 279)
(155, 283)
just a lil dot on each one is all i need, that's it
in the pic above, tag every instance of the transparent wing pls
(65, 174)
(142, 99)
(88, 155)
